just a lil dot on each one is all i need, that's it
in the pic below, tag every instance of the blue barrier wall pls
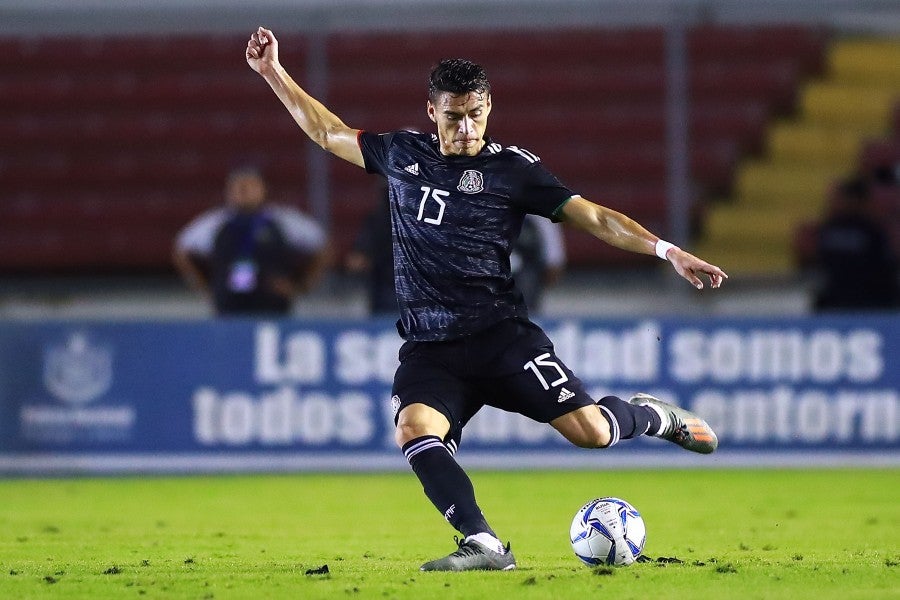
(282, 395)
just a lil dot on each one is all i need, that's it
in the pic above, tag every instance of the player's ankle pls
(657, 416)
(488, 541)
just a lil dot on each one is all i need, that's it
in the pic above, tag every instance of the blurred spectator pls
(887, 175)
(373, 254)
(250, 256)
(537, 259)
(854, 254)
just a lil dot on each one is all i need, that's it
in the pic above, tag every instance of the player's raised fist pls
(262, 51)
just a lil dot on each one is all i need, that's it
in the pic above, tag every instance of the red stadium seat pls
(760, 44)
(773, 84)
(119, 138)
(498, 50)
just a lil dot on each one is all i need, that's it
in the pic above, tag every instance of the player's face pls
(461, 121)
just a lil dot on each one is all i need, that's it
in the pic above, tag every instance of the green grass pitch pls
(766, 534)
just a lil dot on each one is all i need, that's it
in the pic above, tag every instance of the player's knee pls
(406, 432)
(418, 420)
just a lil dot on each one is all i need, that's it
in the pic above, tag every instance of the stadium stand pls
(109, 144)
(769, 225)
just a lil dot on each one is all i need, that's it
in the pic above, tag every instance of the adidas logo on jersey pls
(412, 169)
(564, 395)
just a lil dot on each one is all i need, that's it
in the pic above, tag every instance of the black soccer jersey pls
(454, 219)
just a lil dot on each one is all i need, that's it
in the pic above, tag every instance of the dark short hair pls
(457, 76)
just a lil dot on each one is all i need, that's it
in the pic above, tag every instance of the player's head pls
(459, 101)
(245, 188)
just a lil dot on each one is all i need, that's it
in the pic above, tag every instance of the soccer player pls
(457, 201)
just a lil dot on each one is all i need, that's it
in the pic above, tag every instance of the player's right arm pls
(190, 271)
(320, 124)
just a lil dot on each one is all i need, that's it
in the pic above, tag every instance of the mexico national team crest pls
(471, 182)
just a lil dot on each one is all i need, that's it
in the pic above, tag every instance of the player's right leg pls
(420, 432)
(428, 399)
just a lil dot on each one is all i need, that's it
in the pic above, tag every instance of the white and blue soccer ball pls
(608, 531)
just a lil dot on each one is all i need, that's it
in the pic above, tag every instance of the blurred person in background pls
(854, 255)
(372, 256)
(537, 260)
(250, 256)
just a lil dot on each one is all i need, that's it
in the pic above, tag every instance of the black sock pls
(627, 420)
(446, 484)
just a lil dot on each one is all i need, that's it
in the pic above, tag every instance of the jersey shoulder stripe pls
(530, 157)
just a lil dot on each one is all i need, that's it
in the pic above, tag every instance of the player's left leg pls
(680, 426)
(616, 421)
(604, 422)
(534, 382)
(531, 380)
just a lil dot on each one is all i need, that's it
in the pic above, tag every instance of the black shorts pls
(511, 366)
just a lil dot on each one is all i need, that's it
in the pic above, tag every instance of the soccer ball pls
(608, 531)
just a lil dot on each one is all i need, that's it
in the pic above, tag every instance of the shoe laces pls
(464, 548)
(675, 429)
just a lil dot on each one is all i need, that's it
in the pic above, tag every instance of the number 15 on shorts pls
(535, 365)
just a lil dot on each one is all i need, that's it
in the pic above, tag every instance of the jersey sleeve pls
(301, 232)
(200, 234)
(542, 193)
(374, 148)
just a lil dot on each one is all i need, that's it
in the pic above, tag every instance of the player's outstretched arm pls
(620, 231)
(320, 124)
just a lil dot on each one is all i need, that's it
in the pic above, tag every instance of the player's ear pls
(429, 108)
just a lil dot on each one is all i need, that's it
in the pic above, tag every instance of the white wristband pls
(663, 247)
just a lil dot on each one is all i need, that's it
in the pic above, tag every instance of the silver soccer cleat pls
(681, 426)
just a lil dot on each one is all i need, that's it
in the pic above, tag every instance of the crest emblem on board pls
(77, 372)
